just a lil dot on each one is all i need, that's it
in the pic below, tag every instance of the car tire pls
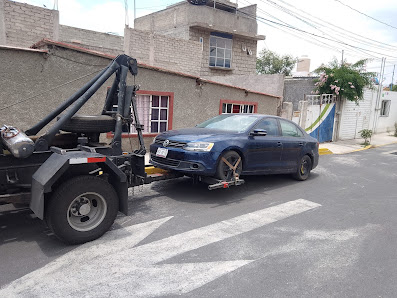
(94, 197)
(89, 124)
(223, 171)
(304, 168)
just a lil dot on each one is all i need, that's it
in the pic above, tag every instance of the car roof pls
(256, 115)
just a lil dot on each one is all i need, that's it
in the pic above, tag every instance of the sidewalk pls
(347, 146)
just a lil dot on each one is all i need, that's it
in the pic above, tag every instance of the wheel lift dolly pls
(68, 178)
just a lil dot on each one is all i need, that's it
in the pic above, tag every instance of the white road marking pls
(115, 266)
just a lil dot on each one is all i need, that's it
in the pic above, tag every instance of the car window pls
(270, 125)
(289, 129)
(232, 123)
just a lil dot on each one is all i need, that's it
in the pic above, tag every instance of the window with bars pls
(234, 108)
(153, 113)
(220, 51)
(385, 108)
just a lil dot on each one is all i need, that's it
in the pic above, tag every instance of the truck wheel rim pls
(86, 211)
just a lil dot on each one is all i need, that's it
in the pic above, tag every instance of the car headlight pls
(199, 146)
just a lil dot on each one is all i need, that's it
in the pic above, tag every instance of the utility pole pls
(378, 95)
(342, 56)
(134, 12)
(392, 79)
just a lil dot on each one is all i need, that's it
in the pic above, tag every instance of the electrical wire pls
(79, 62)
(266, 21)
(331, 47)
(49, 90)
(342, 31)
(364, 14)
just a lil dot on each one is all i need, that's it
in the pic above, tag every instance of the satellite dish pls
(198, 2)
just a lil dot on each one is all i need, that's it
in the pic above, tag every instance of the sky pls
(331, 26)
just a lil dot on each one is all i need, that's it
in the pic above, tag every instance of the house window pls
(237, 107)
(220, 50)
(154, 112)
(385, 108)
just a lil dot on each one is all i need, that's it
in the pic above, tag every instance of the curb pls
(325, 151)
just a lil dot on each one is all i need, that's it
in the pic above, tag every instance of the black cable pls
(364, 39)
(366, 14)
(264, 20)
(78, 62)
(323, 44)
(49, 90)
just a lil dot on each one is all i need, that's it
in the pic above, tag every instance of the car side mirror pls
(258, 132)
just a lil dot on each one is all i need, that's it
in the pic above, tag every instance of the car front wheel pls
(304, 168)
(223, 171)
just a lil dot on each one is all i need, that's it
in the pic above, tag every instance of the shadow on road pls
(22, 225)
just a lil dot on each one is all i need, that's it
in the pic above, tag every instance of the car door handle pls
(279, 144)
(301, 144)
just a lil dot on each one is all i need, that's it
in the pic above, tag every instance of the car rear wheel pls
(223, 171)
(304, 168)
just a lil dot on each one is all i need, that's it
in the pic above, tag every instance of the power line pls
(300, 35)
(44, 92)
(264, 20)
(364, 14)
(343, 32)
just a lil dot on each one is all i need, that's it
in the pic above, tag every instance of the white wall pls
(386, 123)
(356, 117)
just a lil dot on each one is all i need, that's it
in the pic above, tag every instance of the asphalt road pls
(332, 235)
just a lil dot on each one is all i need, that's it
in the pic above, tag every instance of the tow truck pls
(67, 176)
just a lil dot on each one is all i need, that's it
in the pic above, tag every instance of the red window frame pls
(170, 113)
(254, 103)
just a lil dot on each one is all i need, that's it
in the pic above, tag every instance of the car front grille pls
(173, 144)
(166, 161)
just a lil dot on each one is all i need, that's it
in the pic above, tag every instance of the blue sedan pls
(252, 144)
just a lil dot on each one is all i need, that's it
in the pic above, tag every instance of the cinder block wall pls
(104, 42)
(163, 51)
(26, 24)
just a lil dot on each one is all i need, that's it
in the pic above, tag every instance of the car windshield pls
(232, 123)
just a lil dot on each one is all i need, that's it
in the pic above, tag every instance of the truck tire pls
(90, 124)
(223, 171)
(82, 209)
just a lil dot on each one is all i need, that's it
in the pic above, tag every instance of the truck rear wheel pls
(82, 209)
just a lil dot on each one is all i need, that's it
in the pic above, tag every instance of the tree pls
(270, 62)
(346, 80)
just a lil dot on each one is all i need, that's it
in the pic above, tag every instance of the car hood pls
(195, 134)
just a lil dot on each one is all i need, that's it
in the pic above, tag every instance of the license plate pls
(162, 152)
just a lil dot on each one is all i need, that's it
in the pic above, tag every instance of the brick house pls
(224, 36)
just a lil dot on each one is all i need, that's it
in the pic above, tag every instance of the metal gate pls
(320, 116)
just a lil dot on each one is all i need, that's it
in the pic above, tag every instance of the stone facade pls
(56, 75)
(295, 89)
(26, 24)
(98, 41)
(192, 22)
(163, 51)
(242, 63)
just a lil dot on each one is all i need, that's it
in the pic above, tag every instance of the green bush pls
(395, 129)
(366, 134)
(346, 80)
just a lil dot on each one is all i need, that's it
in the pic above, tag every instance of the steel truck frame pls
(71, 180)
